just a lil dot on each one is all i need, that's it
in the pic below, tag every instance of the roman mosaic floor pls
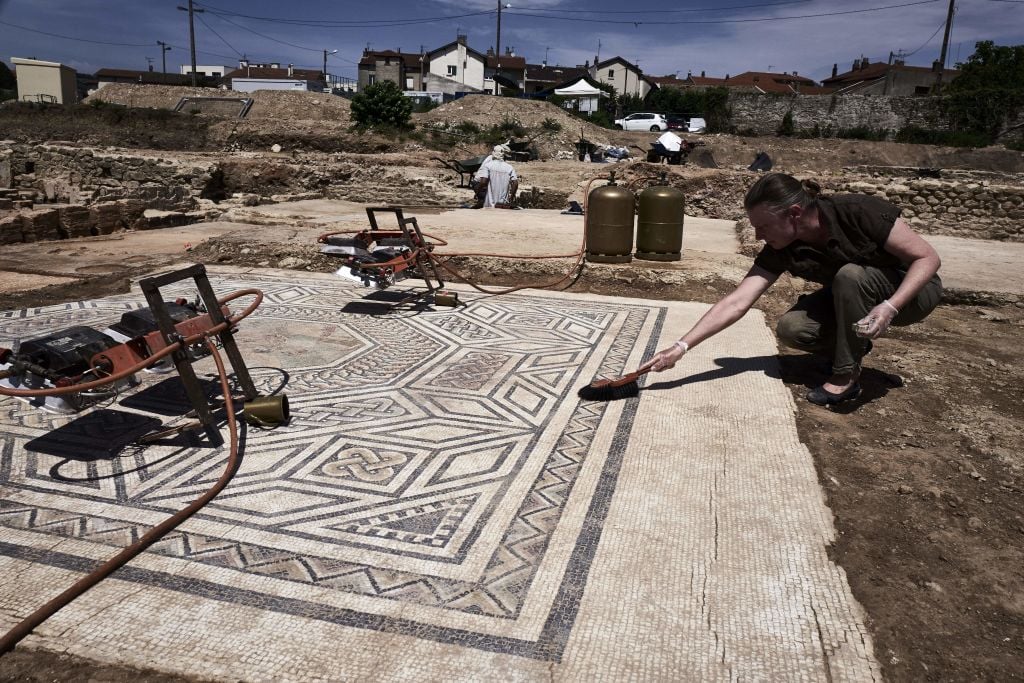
(442, 505)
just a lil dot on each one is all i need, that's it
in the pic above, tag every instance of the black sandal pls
(820, 397)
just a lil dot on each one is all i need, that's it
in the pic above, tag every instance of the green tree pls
(382, 104)
(8, 83)
(712, 104)
(786, 128)
(988, 94)
(7, 79)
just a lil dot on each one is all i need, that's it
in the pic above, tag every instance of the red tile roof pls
(667, 80)
(506, 62)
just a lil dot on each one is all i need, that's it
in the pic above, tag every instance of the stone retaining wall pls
(96, 193)
(763, 113)
(72, 220)
(980, 210)
(66, 174)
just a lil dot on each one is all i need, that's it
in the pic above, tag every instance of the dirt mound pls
(486, 111)
(282, 105)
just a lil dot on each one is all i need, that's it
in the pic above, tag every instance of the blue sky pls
(723, 37)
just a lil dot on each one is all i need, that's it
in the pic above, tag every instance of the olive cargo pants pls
(823, 321)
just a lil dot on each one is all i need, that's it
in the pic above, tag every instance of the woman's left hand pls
(876, 322)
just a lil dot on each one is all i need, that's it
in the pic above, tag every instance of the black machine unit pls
(142, 321)
(65, 353)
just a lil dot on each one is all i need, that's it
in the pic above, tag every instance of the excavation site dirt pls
(924, 472)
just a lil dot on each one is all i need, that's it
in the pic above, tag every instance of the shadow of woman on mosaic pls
(728, 367)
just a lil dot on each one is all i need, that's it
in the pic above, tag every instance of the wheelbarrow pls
(463, 168)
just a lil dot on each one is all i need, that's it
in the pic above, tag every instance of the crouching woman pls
(874, 271)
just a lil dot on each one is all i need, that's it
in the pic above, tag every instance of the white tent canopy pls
(586, 94)
(579, 89)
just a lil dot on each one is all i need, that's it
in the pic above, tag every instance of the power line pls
(214, 32)
(724, 21)
(80, 40)
(911, 54)
(358, 23)
(263, 35)
(282, 42)
(666, 11)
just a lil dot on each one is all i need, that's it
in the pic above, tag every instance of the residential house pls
(626, 78)
(507, 71)
(759, 82)
(455, 67)
(768, 82)
(405, 69)
(249, 77)
(105, 77)
(40, 81)
(541, 77)
(882, 78)
(668, 81)
(215, 70)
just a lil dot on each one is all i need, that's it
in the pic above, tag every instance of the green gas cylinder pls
(610, 211)
(659, 227)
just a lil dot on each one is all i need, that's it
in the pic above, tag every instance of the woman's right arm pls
(728, 310)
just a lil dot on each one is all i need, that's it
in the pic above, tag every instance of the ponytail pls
(780, 191)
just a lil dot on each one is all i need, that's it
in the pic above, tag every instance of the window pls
(452, 69)
(611, 73)
(371, 79)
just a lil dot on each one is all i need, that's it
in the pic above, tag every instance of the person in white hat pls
(496, 181)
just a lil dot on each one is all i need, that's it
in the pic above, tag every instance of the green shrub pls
(549, 125)
(928, 136)
(468, 128)
(601, 118)
(863, 133)
(511, 127)
(786, 127)
(381, 104)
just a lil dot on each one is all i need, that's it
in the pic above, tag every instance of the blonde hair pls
(780, 191)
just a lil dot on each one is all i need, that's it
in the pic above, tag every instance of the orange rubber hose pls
(29, 623)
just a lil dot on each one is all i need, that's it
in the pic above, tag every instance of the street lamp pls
(164, 47)
(327, 52)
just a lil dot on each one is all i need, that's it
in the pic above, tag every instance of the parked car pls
(696, 125)
(643, 121)
(676, 122)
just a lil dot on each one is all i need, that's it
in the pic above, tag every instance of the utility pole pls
(945, 46)
(164, 47)
(326, 52)
(497, 47)
(191, 36)
(497, 38)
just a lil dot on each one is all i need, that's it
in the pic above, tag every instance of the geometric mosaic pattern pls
(429, 461)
